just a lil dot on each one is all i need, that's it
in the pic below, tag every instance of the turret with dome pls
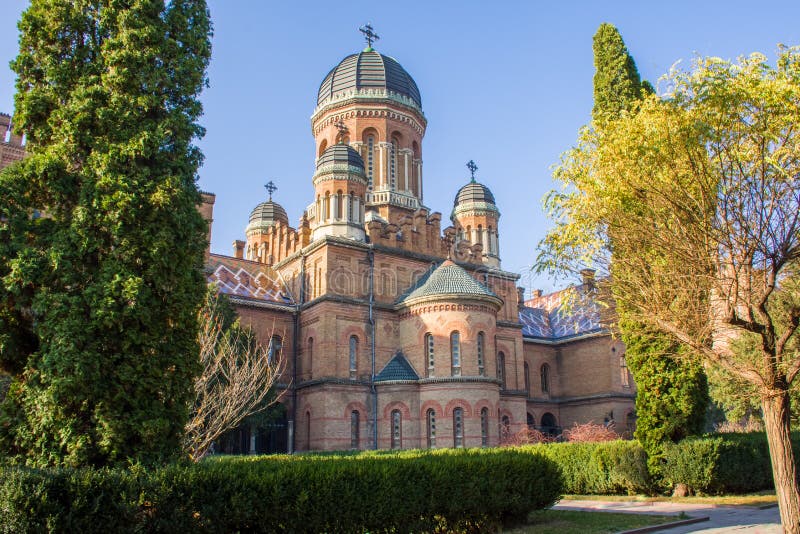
(475, 217)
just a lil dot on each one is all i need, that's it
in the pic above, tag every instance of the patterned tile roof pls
(446, 279)
(249, 279)
(567, 313)
(398, 368)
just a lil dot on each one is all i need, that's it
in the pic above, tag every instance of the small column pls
(332, 208)
(419, 179)
(406, 182)
(485, 241)
(382, 165)
(356, 216)
(253, 431)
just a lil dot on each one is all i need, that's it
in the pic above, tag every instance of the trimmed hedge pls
(475, 490)
(722, 463)
(603, 468)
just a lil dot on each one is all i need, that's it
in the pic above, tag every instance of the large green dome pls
(368, 70)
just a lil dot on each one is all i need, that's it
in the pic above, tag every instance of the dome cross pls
(369, 34)
(271, 188)
(472, 168)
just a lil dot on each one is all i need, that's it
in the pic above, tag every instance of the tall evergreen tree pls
(617, 84)
(672, 389)
(99, 300)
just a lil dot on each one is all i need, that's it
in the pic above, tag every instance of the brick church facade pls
(400, 330)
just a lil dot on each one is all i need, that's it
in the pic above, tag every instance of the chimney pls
(536, 293)
(238, 249)
(587, 278)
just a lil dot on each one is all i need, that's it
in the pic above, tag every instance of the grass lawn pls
(569, 522)
(751, 499)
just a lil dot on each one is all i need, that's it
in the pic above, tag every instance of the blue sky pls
(507, 84)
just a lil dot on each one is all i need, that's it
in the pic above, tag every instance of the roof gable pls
(398, 368)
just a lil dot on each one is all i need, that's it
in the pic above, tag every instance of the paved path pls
(737, 519)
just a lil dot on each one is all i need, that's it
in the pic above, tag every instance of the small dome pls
(449, 281)
(267, 214)
(474, 192)
(342, 154)
(368, 70)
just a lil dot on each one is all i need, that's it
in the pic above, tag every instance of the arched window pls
(623, 372)
(549, 424)
(501, 369)
(480, 353)
(355, 429)
(458, 428)
(370, 160)
(431, 418)
(339, 215)
(397, 424)
(527, 379)
(531, 421)
(310, 359)
(545, 375)
(630, 422)
(484, 427)
(308, 431)
(274, 350)
(455, 353)
(505, 427)
(429, 354)
(322, 146)
(353, 356)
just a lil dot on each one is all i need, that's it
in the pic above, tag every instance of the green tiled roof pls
(398, 368)
(447, 279)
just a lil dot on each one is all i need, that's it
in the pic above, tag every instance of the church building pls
(399, 330)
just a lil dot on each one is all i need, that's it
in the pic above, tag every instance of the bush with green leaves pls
(472, 490)
(721, 463)
(605, 468)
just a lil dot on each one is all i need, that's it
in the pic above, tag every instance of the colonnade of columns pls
(340, 207)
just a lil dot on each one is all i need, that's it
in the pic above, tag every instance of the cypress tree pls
(617, 84)
(672, 389)
(98, 309)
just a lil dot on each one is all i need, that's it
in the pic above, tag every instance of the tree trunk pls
(784, 471)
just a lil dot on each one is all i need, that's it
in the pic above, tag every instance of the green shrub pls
(408, 491)
(604, 468)
(722, 463)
